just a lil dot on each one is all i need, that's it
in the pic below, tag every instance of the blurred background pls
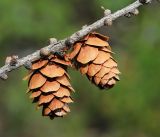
(130, 109)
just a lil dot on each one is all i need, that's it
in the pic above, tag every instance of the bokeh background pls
(130, 109)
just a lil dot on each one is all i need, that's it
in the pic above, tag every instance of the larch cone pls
(92, 55)
(49, 85)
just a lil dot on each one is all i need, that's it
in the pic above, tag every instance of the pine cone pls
(93, 56)
(50, 87)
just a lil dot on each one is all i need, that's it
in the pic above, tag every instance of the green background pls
(130, 109)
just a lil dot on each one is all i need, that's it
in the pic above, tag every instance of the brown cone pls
(93, 56)
(50, 87)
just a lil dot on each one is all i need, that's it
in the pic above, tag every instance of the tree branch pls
(57, 46)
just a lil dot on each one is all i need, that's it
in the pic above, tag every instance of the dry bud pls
(8, 60)
(44, 52)
(108, 22)
(135, 12)
(11, 60)
(85, 26)
(3, 76)
(52, 40)
(107, 12)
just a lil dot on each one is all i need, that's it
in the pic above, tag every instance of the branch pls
(13, 62)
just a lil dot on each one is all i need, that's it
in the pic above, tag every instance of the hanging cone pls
(50, 87)
(93, 56)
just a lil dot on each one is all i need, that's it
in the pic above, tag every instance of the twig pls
(57, 46)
